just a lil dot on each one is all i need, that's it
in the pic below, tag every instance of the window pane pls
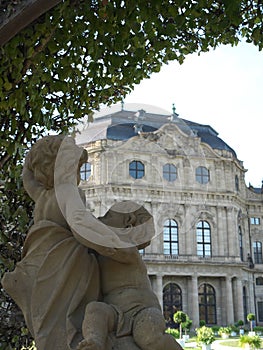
(174, 248)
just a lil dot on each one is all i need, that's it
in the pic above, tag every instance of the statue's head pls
(42, 157)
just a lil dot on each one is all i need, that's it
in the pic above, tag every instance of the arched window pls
(136, 169)
(240, 238)
(85, 171)
(257, 248)
(172, 302)
(207, 303)
(169, 172)
(203, 239)
(202, 175)
(170, 237)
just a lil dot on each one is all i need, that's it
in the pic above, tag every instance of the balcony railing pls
(193, 258)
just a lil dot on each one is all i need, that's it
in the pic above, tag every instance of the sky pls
(222, 88)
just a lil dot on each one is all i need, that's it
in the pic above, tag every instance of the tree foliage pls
(84, 53)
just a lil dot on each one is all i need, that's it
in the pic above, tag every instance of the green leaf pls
(8, 86)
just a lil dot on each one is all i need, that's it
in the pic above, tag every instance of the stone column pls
(193, 293)
(230, 230)
(188, 248)
(239, 297)
(217, 242)
(159, 289)
(251, 299)
(229, 301)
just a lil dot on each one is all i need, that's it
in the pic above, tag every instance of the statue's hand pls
(82, 345)
(106, 251)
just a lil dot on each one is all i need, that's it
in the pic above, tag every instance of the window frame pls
(204, 176)
(171, 244)
(172, 301)
(254, 220)
(203, 245)
(207, 303)
(257, 252)
(86, 170)
(259, 281)
(138, 171)
(170, 174)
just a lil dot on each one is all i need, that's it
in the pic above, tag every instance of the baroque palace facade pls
(206, 255)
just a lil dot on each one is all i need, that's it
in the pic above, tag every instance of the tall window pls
(170, 237)
(169, 172)
(203, 238)
(245, 310)
(207, 303)
(240, 238)
(257, 248)
(237, 183)
(85, 171)
(260, 311)
(202, 175)
(136, 169)
(172, 302)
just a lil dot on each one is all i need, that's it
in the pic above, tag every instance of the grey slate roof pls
(124, 124)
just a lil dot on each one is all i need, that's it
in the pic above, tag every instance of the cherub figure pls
(129, 305)
(58, 275)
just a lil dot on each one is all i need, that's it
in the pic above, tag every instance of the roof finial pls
(174, 115)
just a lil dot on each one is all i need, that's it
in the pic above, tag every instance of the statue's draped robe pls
(52, 284)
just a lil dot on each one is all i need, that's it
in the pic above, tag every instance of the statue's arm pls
(106, 251)
(125, 255)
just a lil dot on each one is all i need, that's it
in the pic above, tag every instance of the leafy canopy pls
(83, 53)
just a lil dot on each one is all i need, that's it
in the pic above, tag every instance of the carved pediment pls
(176, 142)
(169, 139)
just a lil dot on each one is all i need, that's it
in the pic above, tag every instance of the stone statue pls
(77, 269)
